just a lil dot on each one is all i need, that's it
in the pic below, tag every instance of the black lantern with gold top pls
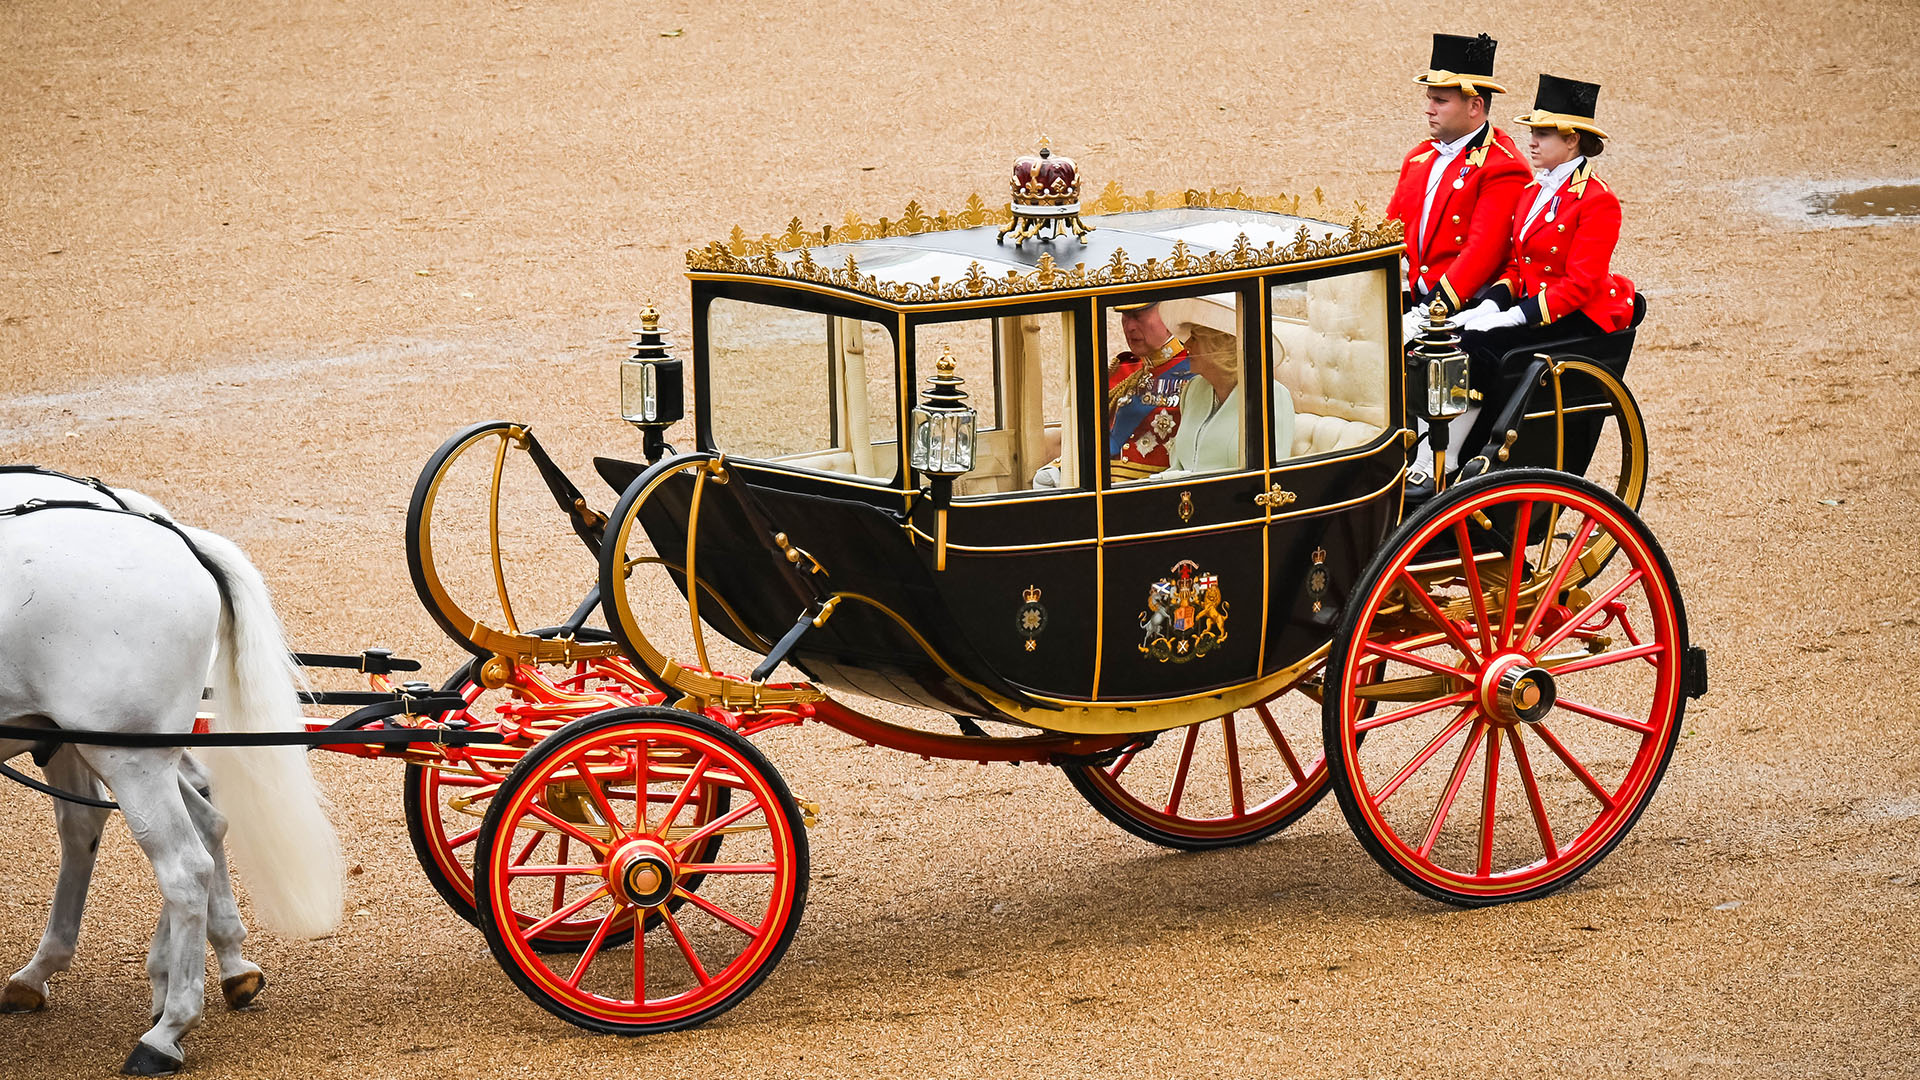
(651, 394)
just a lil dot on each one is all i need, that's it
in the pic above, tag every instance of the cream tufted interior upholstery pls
(1334, 361)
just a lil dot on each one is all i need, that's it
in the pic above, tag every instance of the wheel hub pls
(642, 874)
(1513, 690)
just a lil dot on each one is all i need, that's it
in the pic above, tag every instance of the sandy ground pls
(259, 261)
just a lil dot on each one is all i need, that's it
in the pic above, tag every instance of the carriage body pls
(1105, 602)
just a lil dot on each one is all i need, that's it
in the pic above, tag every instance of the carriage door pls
(1187, 417)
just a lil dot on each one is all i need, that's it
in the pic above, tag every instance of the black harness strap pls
(93, 482)
(24, 780)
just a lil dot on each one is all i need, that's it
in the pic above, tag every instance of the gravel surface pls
(258, 262)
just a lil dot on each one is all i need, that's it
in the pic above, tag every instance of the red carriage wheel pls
(1520, 731)
(1220, 783)
(618, 786)
(444, 806)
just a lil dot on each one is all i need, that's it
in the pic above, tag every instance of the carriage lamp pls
(942, 441)
(1437, 351)
(651, 397)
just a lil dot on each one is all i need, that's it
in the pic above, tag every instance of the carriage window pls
(811, 390)
(1330, 355)
(1175, 403)
(1016, 369)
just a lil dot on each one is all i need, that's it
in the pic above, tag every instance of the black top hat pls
(1463, 62)
(1567, 104)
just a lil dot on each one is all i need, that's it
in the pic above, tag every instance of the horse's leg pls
(240, 979)
(147, 785)
(79, 828)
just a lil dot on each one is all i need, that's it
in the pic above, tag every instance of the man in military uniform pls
(1143, 394)
(1457, 191)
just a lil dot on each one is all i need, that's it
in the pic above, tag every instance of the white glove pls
(1413, 322)
(1478, 317)
(1513, 316)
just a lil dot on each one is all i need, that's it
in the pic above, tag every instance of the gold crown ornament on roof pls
(1045, 196)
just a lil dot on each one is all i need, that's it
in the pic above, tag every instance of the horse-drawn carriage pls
(1206, 628)
(1204, 647)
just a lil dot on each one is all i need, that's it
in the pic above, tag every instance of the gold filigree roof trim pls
(741, 254)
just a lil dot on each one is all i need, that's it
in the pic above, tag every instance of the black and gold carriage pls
(931, 501)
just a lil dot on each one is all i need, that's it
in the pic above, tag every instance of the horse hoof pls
(146, 1061)
(240, 990)
(18, 997)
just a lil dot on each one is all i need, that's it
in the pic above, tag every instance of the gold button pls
(1553, 251)
(1456, 219)
(1546, 269)
(1459, 239)
(1526, 258)
(1613, 292)
(1423, 270)
(1562, 227)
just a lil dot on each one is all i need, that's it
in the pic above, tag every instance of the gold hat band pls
(1467, 82)
(1563, 121)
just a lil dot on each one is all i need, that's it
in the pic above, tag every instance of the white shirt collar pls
(1450, 149)
(1551, 179)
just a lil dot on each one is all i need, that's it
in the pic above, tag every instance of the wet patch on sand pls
(1842, 204)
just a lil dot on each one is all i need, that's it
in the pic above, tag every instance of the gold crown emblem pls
(1045, 179)
(1032, 595)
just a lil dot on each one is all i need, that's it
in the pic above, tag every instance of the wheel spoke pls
(560, 882)
(1472, 568)
(1614, 718)
(565, 826)
(1588, 663)
(641, 778)
(593, 949)
(1452, 630)
(1408, 713)
(1180, 774)
(1573, 765)
(526, 850)
(1559, 577)
(561, 915)
(686, 947)
(1487, 800)
(1460, 766)
(719, 912)
(1235, 790)
(1522, 520)
(640, 960)
(1467, 716)
(1120, 765)
(716, 825)
(463, 839)
(686, 790)
(560, 871)
(1280, 743)
(1414, 660)
(691, 868)
(598, 792)
(1573, 621)
(1539, 808)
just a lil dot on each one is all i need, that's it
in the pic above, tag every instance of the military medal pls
(1552, 206)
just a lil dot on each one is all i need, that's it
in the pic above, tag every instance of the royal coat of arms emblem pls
(1185, 617)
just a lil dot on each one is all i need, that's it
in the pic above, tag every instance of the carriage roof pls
(922, 259)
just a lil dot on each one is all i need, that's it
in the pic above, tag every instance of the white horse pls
(109, 623)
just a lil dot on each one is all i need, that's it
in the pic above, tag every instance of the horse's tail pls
(278, 831)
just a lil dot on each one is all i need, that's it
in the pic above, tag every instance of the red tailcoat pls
(1471, 225)
(1563, 265)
